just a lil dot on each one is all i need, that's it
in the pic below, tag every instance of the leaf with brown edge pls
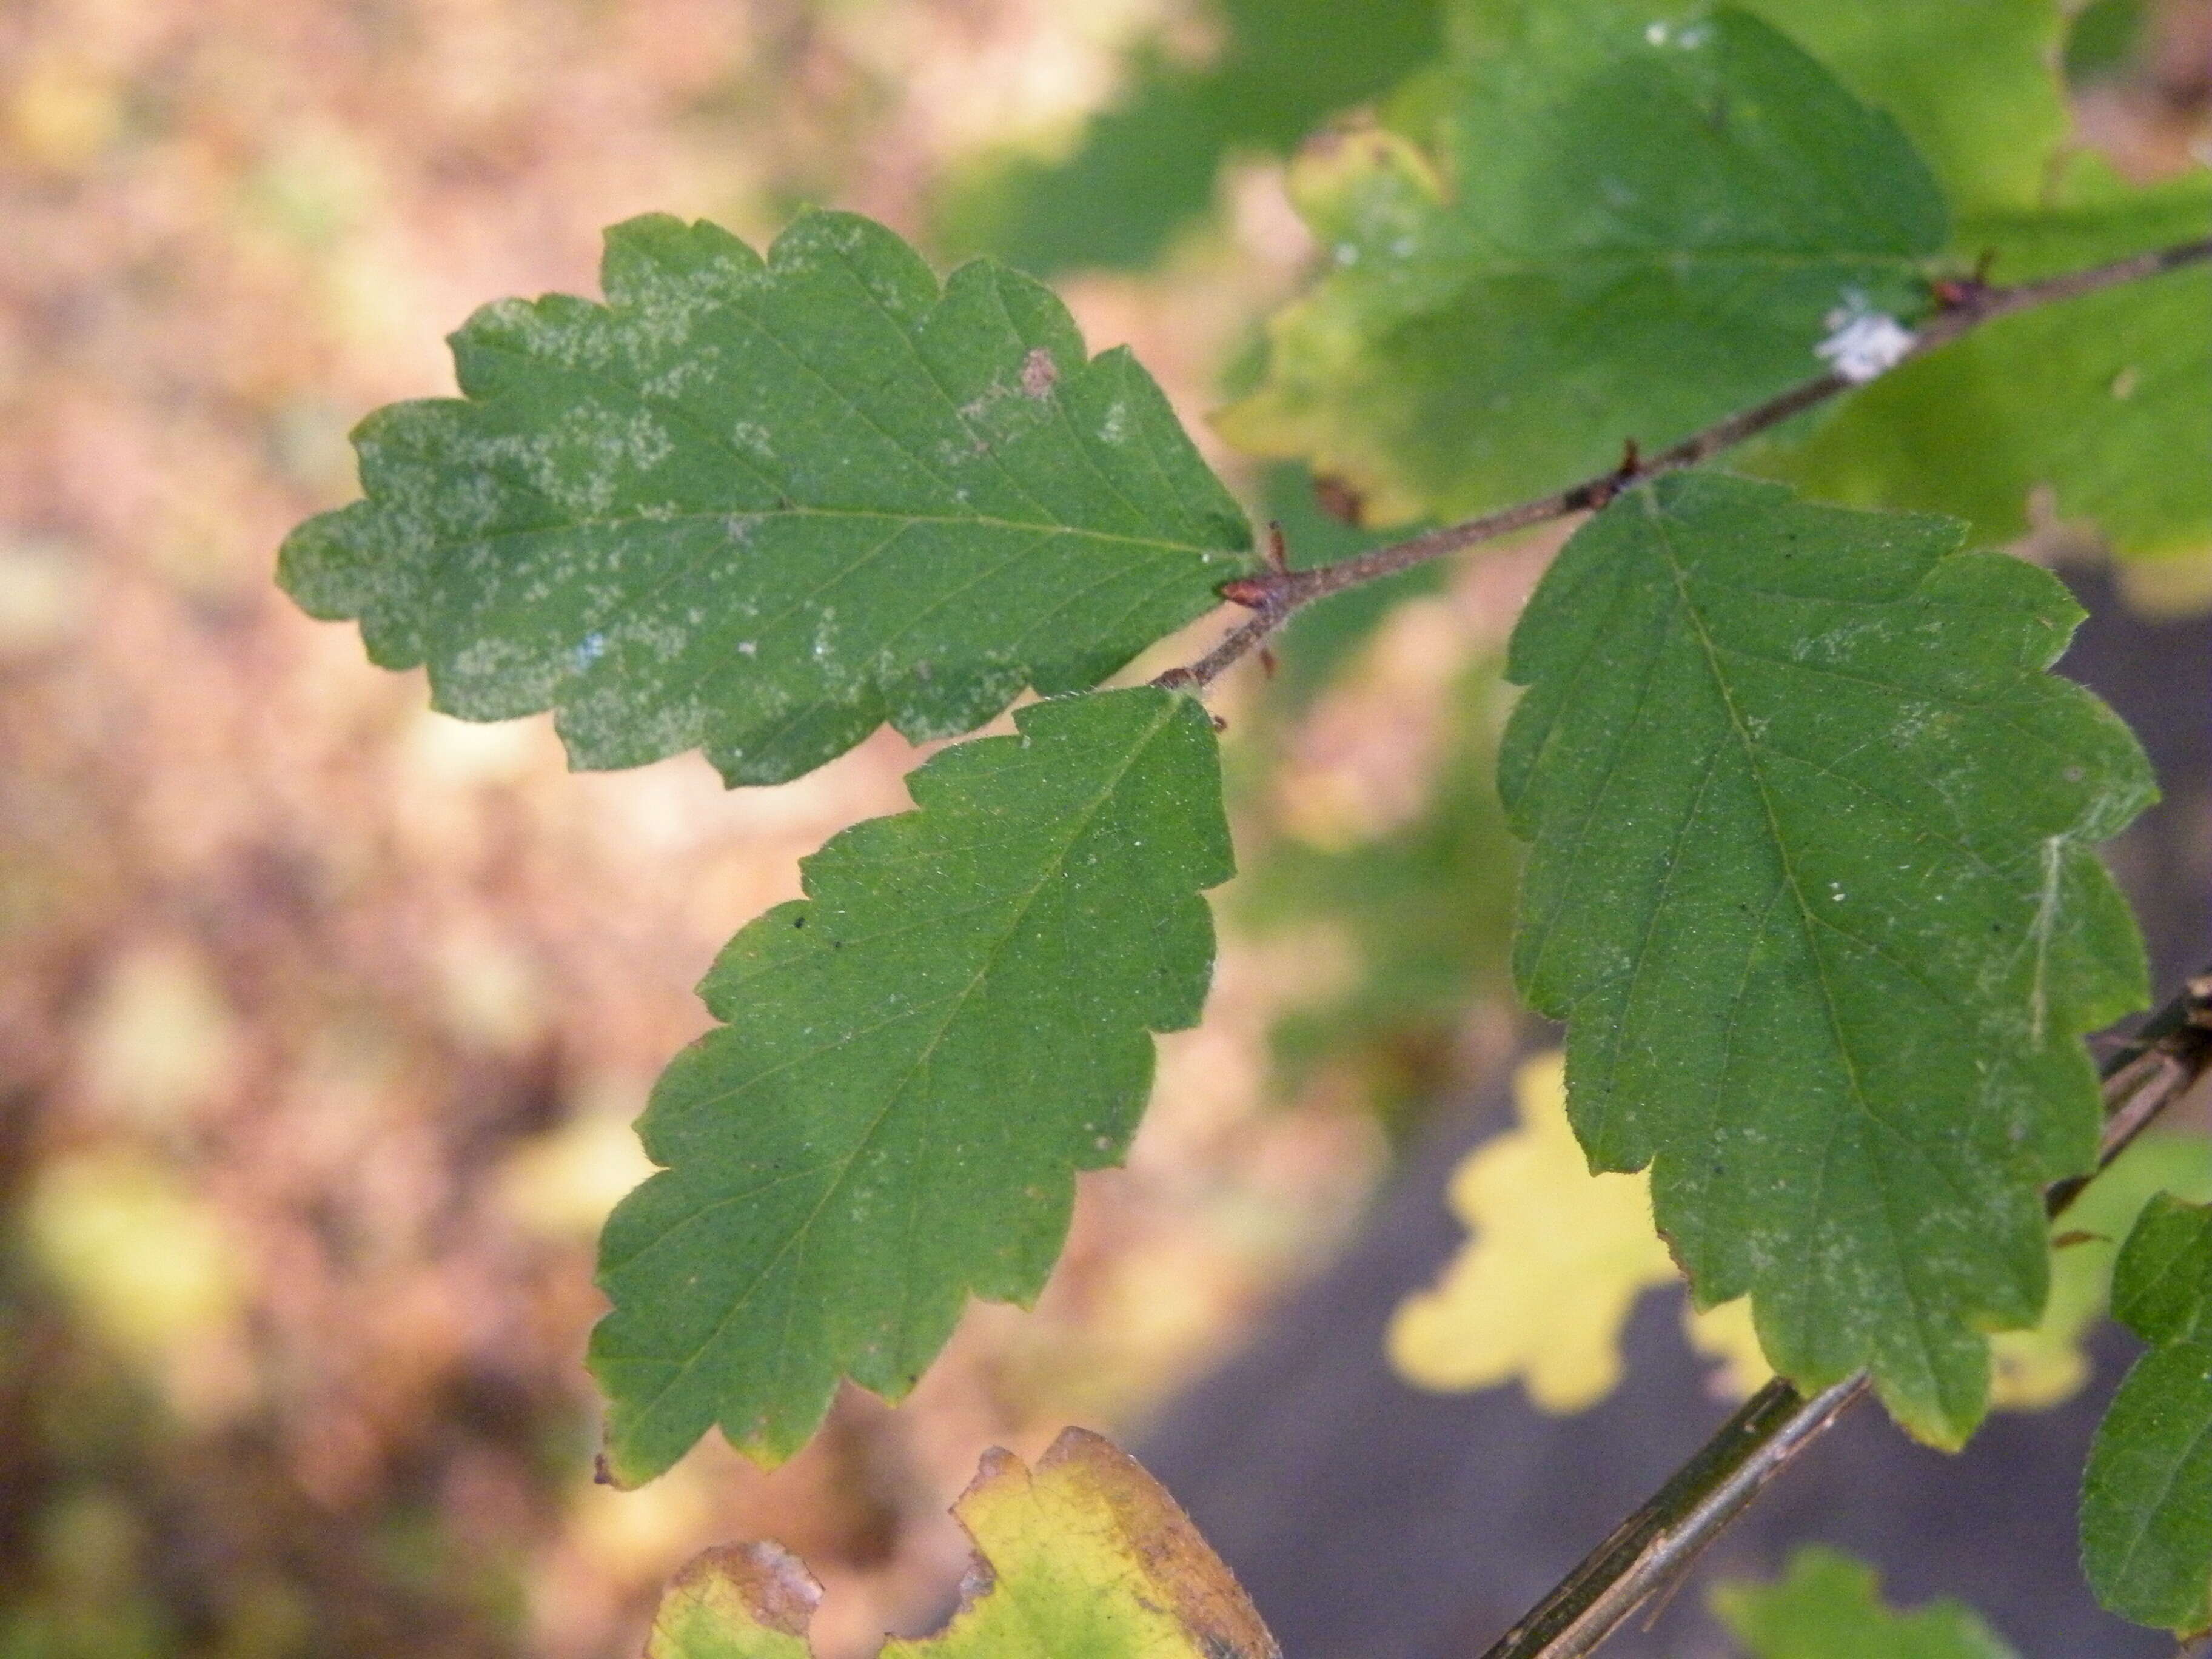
(753, 1600)
(1084, 1557)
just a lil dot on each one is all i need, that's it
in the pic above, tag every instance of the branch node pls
(1599, 492)
(1253, 592)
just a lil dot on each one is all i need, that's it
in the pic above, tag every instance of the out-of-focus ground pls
(323, 1018)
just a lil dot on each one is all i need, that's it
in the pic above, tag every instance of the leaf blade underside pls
(916, 1060)
(761, 506)
(1811, 881)
(1629, 229)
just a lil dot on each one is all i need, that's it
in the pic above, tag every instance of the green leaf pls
(1086, 1558)
(1829, 1607)
(1976, 87)
(1145, 168)
(2047, 1366)
(2104, 38)
(1813, 883)
(2147, 1496)
(763, 507)
(2105, 399)
(2162, 1285)
(917, 1059)
(1634, 228)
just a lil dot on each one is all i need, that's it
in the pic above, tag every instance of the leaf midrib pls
(641, 520)
(1658, 519)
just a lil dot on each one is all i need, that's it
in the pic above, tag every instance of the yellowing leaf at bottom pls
(1085, 1557)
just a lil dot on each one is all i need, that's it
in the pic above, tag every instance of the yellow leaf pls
(1086, 1556)
(739, 1601)
(1726, 1334)
(1558, 1258)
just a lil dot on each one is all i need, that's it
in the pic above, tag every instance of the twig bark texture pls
(1273, 598)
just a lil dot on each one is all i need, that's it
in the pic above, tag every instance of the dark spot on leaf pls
(1340, 500)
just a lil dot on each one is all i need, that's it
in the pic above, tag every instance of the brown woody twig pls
(1276, 594)
(1649, 1551)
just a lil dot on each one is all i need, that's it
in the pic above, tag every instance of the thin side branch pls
(1274, 597)
(1649, 1552)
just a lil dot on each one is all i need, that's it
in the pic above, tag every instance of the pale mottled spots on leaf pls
(1828, 972)
(818, 457)
(487, 672)
(537, 332)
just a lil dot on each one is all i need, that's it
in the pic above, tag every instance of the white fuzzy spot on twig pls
(1862, 344)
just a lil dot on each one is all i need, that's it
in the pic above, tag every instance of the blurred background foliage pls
(322, 1017)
